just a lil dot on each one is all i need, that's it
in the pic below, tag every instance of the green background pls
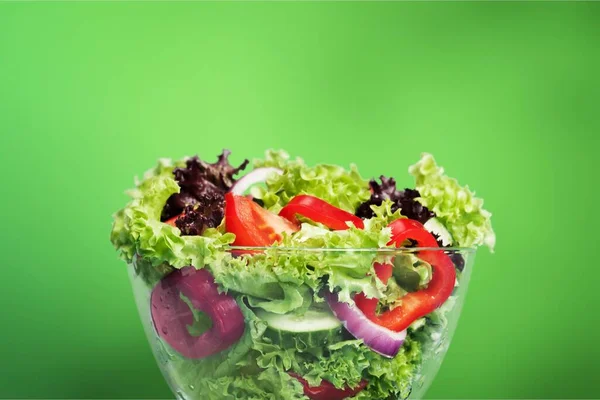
(505, 95)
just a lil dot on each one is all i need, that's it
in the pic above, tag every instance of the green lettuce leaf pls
(410, 266)
(332, 183)
(343, 366)
(456, 207)
(383, 216)
(392, 297)
(410, 274)
(346, 363)
(152, 246)
(295, 298)
(392, 378)
(280, 276)
(202, 321)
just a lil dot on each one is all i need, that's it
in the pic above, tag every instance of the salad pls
(293, 281)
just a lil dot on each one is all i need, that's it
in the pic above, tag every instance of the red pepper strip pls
(401, 225)
(326, 390)
(319, 211)
(416, 304)
(383, 271)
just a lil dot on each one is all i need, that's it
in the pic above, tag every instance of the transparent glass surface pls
(188, 378)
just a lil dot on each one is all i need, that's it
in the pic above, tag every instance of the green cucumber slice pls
(314, 328)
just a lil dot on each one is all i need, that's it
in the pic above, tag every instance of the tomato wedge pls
(420, 303)
(326, 390)
(319, 211)
(171, 221)
(252, 224)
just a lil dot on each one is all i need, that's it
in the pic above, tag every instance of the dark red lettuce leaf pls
(208, 213)
(401, 199)
(202, 195)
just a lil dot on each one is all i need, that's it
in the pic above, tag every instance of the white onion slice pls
(252, 178)
(381, 340)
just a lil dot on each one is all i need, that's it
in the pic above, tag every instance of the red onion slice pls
(381, 340)
(171, 315)
(252, 178)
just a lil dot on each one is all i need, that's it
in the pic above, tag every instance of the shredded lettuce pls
(456, 207)
(334, 184)
(152, 246)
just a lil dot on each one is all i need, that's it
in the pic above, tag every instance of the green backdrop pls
(506, 95)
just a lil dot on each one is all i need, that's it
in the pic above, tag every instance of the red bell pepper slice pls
(416, 304)
(326, 390)
(319, 211)
(383, 271)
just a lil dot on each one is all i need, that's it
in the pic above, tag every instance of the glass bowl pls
(260, 366)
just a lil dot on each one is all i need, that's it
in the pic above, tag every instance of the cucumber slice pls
(314, 328)
(434, 225)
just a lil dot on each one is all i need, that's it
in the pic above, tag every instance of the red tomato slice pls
(252, 224)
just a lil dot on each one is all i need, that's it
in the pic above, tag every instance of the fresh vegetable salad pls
(293, 281)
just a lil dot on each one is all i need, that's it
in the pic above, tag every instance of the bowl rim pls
(379, 250)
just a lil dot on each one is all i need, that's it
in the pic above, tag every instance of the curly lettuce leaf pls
(383, 215)
(343, 366)
(455, 206)
(146, 242)
(280, 275)
(392, 378)
(332, 183)
(347, 363)
(295, 298)
(411, 272)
